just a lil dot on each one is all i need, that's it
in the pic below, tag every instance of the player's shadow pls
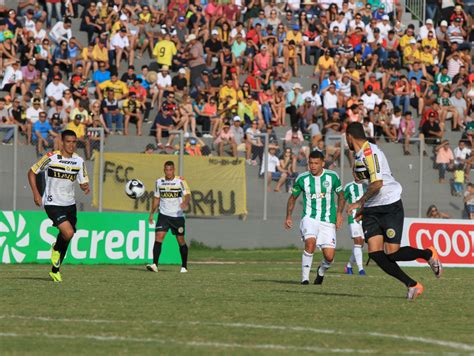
(42, 279)
(143, 269)
(278, 281)
(333, 294)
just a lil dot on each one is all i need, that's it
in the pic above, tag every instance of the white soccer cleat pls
(183, 270)
(152, 268)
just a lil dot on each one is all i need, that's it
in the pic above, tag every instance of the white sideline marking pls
(188, 343)
(429, 341)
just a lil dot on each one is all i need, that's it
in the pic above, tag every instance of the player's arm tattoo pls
(290, 205)
(372, 191)
(341, 201)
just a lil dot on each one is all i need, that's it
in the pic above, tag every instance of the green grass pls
(254, 305)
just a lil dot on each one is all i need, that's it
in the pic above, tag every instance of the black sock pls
(61, 245)
(391, 268)
(409, 253)
(156, 252)
(183, 250)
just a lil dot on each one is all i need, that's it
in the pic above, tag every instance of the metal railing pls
(15, 159)
(417, 8)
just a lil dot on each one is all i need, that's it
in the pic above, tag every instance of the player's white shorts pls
(356, 230)
(324, 232)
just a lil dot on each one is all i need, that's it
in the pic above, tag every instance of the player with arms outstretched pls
(382, 214)
(62, 169)
(172, 196)
(353, 191)
(321, 214)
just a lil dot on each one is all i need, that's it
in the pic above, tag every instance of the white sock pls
(325, 265)
(357, 253)
(307, 261)
(351, 260)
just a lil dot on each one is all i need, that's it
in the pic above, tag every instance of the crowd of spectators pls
(226, 71)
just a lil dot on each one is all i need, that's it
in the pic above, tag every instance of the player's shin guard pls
(306, 262)
(391, 268)
(156, 252)
(183, 250)
(357, 253)
(325, 265)
(408, 253)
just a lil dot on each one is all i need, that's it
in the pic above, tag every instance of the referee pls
(172, 195)
(381, 211)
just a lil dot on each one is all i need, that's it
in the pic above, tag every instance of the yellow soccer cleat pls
(55, 257)
(56, 276)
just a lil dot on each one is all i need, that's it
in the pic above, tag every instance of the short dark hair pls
(169, 164)
(316, 154)
(356, 130)
(67, 133)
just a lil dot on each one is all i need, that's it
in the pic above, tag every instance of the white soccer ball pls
(134, 188)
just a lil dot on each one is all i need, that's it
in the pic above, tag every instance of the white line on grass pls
(114, 338)
(429, 341)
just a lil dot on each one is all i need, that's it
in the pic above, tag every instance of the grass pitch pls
(232, 302)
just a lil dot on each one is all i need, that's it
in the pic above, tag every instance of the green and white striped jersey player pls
(353, 191)
(322, 213)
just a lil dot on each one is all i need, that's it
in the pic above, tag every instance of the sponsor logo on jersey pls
(170, 195)
(318, 196)
(326, 184)
(61, 175)
(367, 151)
(67, 162)
(13, 237)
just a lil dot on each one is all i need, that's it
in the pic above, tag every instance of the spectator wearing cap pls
(307, 113)
(162, 87)
(313, 94)
(112, 113)
(180, 83)
(195, 54)
(294, 99)
(43, 134)
(120, 48)
(195, 147)
(212, 47)
(61, 31)
(296, 36)
(225, 137)
(82, 110)
(164, 51)
(58, 111)
(77, 125)
(55, 90)
(370, 99)
(149, 149)
(8, 49)
(426, 28)
(13, 80)
(275, 171)
(238, 132)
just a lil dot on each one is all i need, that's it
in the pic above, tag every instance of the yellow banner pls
(217, 183)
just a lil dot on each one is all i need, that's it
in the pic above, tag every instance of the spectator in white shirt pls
(424, 30)
(13, 79)
(162, 85)
(275, 172)
(313, 94)
(463, 157)
(120, 45)
(330, 101)
(61, 31)
(32, 113)
(55, 90)
(370, 99)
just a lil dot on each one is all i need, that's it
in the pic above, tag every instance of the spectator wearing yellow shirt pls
(120, 88)
(325, 64)
(228, 90)
(164, 51)
(407, 37)
(100, 54)
(297, 37)
(249, 111)
(426, 58)
(430, 40)
(81, 110)
(411, 53)
(80, 129)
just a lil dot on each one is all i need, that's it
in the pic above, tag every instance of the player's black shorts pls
(60, 214)
(176, 225)
(385, 220)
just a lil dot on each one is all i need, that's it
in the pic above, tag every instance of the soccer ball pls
(134, 188)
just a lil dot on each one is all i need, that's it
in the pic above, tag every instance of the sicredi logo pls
(14, 237)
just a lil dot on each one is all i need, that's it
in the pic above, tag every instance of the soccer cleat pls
(183, 270)
(348, 270)
(414, 292)
(305, 282)
(435, 263)
(362, 273)
(319, 278)
(152, 268)
(56, 276)
(55, 257)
